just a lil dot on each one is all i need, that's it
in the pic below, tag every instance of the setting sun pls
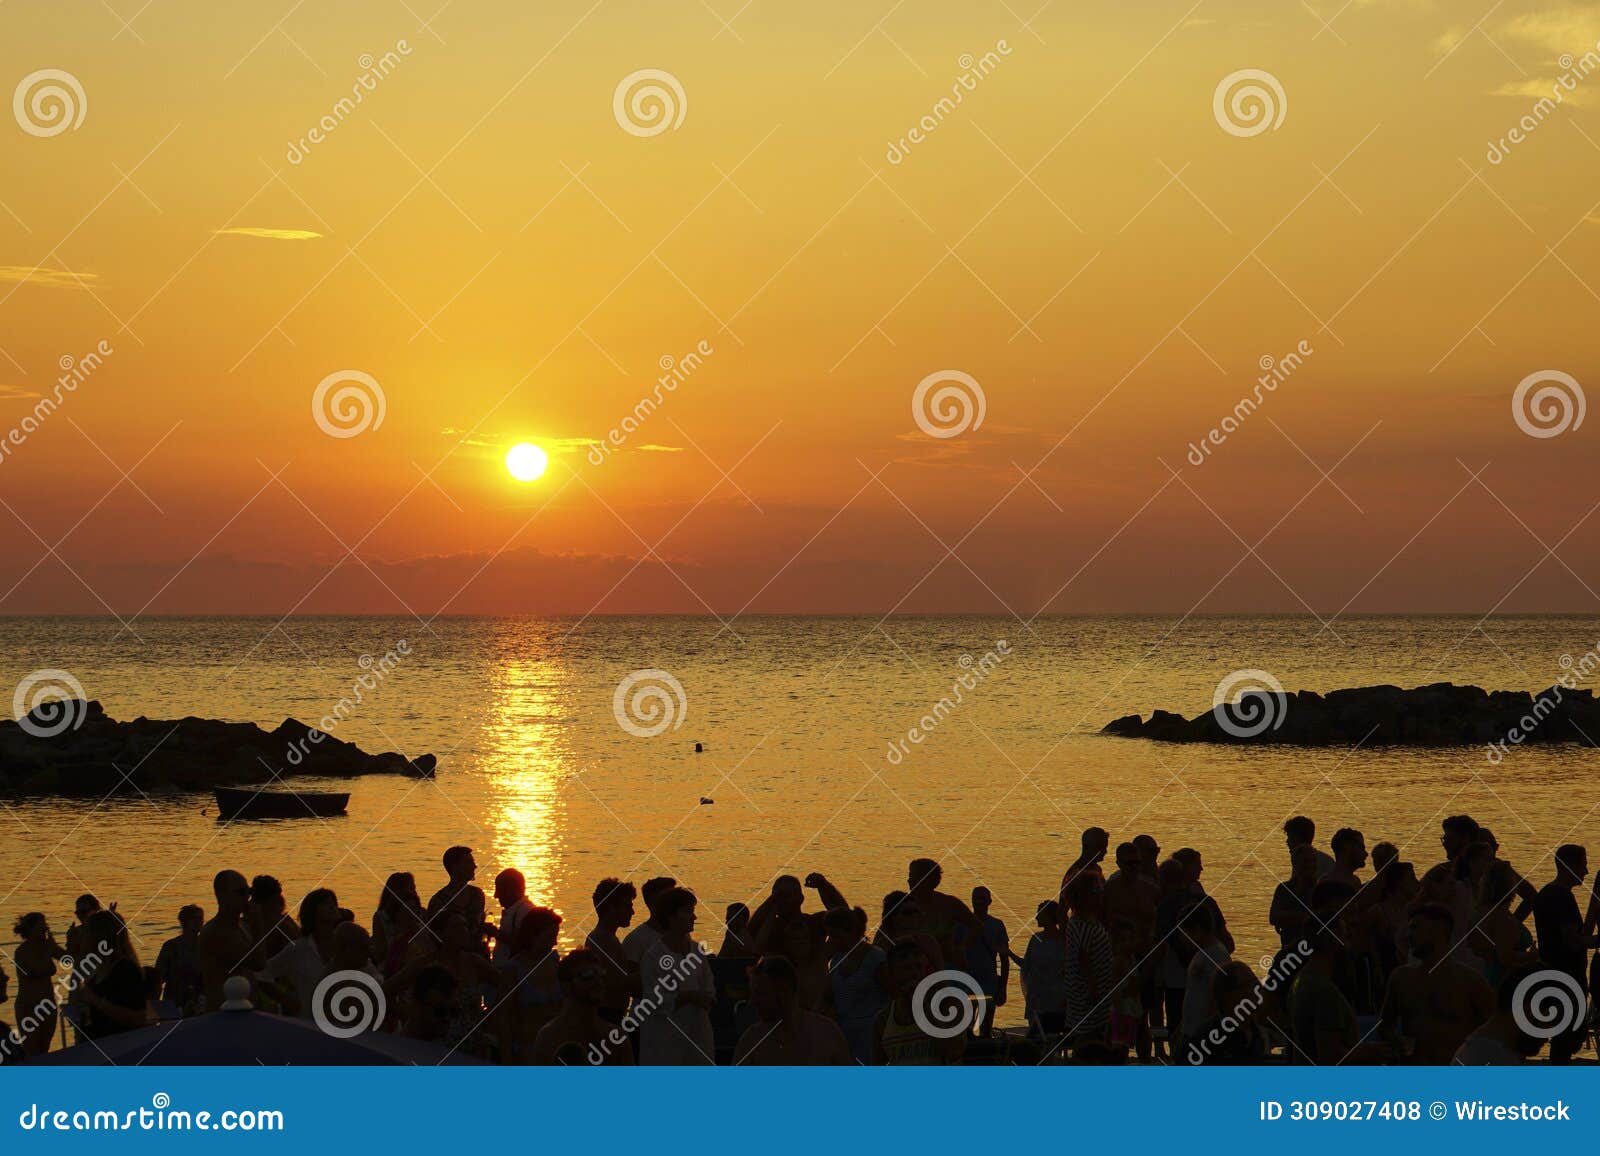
(526, 462)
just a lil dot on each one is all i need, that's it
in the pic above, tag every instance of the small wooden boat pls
(254, 803)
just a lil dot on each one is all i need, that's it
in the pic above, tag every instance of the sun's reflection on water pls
(527, 759)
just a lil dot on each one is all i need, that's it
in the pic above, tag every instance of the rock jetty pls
(1438, 715)
(72, 747)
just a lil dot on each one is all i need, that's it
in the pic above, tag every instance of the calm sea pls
(798, 717)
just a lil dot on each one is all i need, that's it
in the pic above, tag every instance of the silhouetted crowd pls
(1136, 963)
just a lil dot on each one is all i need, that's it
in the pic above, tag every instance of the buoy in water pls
(705, 802)
(698, 748)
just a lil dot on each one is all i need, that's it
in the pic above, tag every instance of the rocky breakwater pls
(1441, 715)
(72, 747)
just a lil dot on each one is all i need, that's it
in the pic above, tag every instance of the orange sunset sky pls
(484, 237)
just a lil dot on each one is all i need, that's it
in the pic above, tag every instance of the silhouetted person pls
(786, 1034)
(613, 910)
(10, 1039)
(1349, 856)
(989, 956)
(1562, 944)
(178, 964)
(397, 922)
(35, 958)
(676, 978)
(1094, 844)
(1043, 970)
(736, 942)
(944, 917)
(785, 902)
(1301, 831)
(1090, 976)
(579, 1023)
(511, 892)
(267, 918)
(1291, 899)
(534, 996)
(1205, 964)
(855, 969)
(1457, 833)
(114, 997)
(1149, 855)
(898, 1037)
(456, 952)
(298, 967)
(225, 943)
(1322, 1024)
(1435, 1003)
(460, 894)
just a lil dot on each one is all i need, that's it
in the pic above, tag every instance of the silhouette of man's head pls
(267, 893)
(675, 910)
(613, 901)
(1095, 843)
(1192, 865)
(510, 886)
(537, 932)
(460, 865)
(651, 893)
(1349, 848)
(982, 900)
(1572, 864)
(923, 875)
(1458, 833)
(788, 894)
(191, 918)
(1047, 914)
(1299, 831)
(1149, 851)
(231, 890)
